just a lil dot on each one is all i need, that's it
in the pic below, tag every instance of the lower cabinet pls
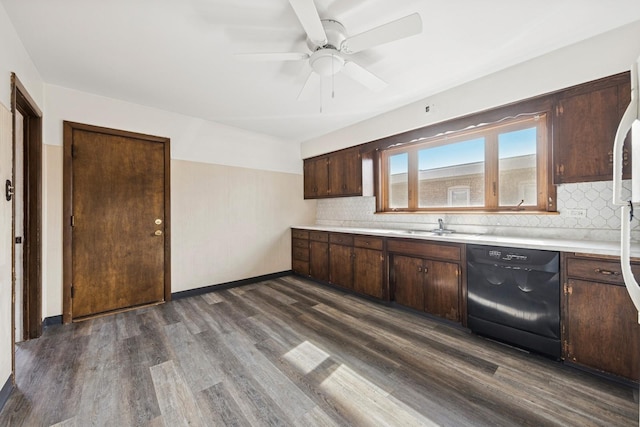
(341, 262)
(600, 323)
(352, 262)
(368, 272)
(319, 255)
(357, 263)
(422, 281)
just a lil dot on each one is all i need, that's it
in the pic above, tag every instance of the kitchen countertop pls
(563, 245)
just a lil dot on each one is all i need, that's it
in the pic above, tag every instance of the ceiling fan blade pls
(400, 28)
(274, 56)
(311, 83)
(363, 76)
(310, 20)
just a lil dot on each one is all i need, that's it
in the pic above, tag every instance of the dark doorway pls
(27, 148)
(26, 228)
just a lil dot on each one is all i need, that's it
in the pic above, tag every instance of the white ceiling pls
(178, 55)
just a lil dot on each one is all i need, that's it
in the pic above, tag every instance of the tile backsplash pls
(585, 212)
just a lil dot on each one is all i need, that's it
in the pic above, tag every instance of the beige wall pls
(231, 223)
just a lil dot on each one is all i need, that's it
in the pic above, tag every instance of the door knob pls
(158, 233)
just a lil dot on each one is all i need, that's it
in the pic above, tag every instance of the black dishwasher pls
(513, 296)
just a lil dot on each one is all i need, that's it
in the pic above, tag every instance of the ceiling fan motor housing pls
(327, 60)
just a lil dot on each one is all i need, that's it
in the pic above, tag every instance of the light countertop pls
(563, 245)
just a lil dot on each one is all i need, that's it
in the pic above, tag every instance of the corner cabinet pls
(427, 276)
(338, 174)
(586, 118)
(600, 323)
(352, 262)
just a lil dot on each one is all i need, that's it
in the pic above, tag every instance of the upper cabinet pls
(586, 118)
(337, 174)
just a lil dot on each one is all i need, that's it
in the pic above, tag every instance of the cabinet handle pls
(607, 272)
(419, 269)
(426, 270)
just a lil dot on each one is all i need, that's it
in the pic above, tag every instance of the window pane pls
(399, 181)
(517, 153)
(452, 175)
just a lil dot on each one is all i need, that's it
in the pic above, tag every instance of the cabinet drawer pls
(299, 234)
(297, 243)
(424, 249)
(319, 236)
(341, 239)
(300, 267)
(597, 270)
(301, 254)
(367, 242)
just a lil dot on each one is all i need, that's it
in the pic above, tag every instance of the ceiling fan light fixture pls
(326, 62)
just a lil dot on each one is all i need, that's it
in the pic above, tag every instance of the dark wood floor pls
(291, 352)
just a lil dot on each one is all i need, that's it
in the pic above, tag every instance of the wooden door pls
(442, 289)
(409, 281)
(368, 272)
(341, 265)
(601, 328)
(119, 220)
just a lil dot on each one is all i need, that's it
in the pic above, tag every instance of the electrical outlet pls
(577, 213)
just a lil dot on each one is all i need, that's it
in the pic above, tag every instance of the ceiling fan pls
(330, 45)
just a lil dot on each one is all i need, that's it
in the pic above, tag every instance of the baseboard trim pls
(7, 388)
(228, 285)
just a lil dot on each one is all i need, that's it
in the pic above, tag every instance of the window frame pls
(490, 131)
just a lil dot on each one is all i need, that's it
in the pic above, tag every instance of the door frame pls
(23, 103)
(67, 207)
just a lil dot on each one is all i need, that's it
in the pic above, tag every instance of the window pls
(493, 167)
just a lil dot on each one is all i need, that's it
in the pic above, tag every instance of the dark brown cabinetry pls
(600, 323)
(357, 262)
(300, 251)
(586, 118)
(368, 266)
(333, 175)
(427, 276)
(341, 260)
(345, 260)
(319, 255)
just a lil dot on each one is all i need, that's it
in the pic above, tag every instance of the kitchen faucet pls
(441, 230)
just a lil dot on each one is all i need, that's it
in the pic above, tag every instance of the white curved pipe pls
(625, 257)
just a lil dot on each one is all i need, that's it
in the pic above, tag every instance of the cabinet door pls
(368, 272)
(316, 178)
(442, 289)
(345, 169)
(585, 125)
(601, 328)
(409, 279)
(341, 265)
(319, 260)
